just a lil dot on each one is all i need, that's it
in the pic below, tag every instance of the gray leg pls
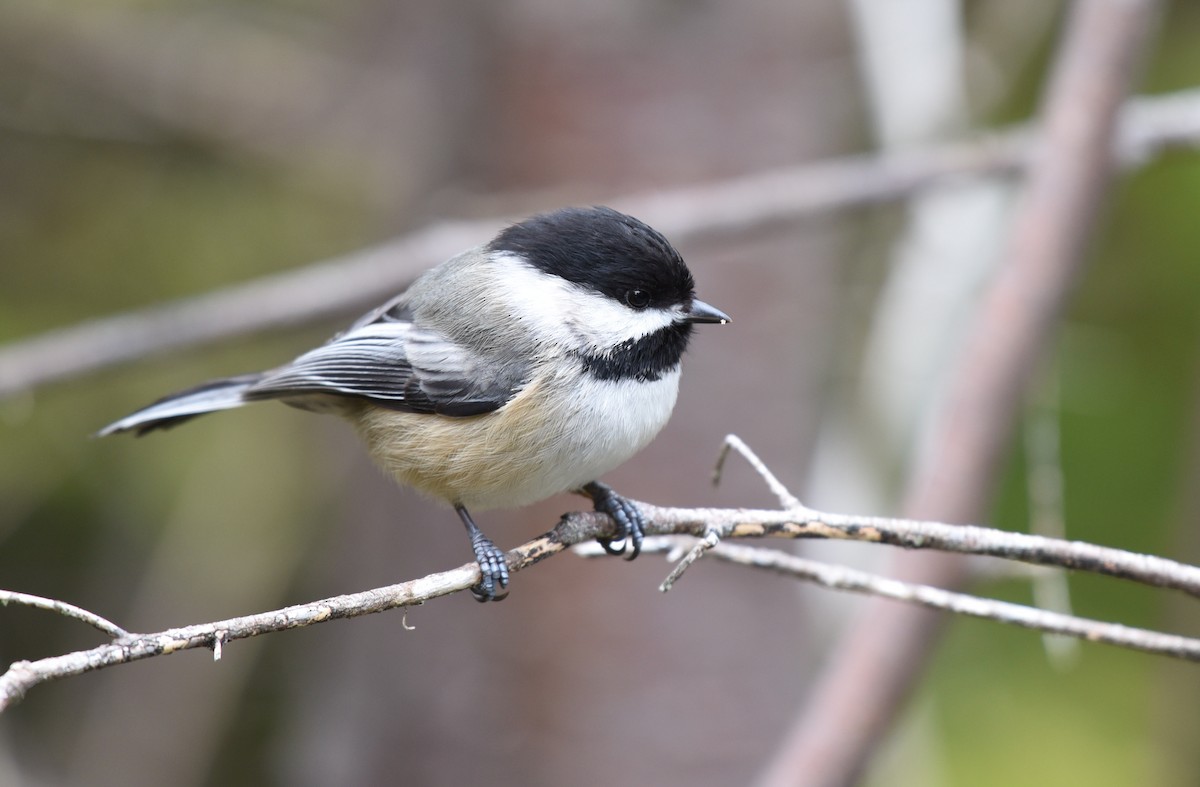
(490, 559)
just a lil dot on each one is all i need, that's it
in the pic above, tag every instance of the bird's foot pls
(631, 526)
(494, 585)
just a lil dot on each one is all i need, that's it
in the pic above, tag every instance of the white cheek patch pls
(605, 323)
(559, 310)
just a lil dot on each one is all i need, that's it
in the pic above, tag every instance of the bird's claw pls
(631, 526)
(493, 586)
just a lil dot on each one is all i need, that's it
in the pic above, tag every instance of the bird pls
(517, 370)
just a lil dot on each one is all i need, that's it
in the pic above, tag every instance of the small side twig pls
(63, 608)
(711, 537)
(218, 643)
(787, 500)
(710, 540)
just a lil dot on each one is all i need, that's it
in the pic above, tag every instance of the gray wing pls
(396, 364)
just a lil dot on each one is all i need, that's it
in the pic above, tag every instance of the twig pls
(63, 608)
(967, 539)
(855, 581)
(723, 210)
(973, 540)
(704, 523)
(24, 675)
(218, 642)
(787, 500)
(710, 540)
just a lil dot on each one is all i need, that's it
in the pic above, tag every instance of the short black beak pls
(702, 312)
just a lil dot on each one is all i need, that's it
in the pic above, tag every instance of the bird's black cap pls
(604, 250)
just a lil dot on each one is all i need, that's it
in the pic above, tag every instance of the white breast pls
(616, 420)
(582, 437)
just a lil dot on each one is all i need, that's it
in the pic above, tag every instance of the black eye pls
(637, 299)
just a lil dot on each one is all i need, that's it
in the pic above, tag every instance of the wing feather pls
(396, 364)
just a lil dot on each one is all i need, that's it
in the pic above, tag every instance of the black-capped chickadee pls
(517, 370)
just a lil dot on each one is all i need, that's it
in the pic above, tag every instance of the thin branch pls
(724, 210)
(922, 534)
(63, 608)
(708, 524)
(24, 675)
(967, 539)
(855, 581)
(849, 579)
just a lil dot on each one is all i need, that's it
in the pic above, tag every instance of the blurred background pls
(158, 149)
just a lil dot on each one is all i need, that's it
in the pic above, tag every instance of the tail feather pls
(214, 395)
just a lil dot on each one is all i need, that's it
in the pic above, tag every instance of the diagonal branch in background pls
(878, 660)
(796, 522)
(721, 211)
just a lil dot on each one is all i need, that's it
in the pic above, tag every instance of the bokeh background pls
(152, 150)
